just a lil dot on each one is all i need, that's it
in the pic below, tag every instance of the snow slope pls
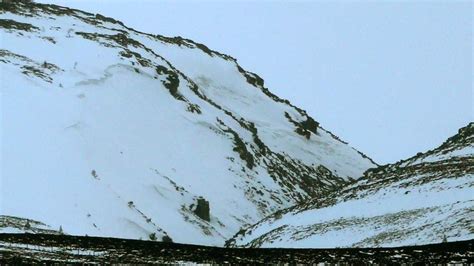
(15, 225)
(425, 199)
(107, 131)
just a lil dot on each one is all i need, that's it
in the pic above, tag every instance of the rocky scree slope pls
(425, 199)
(108, 131)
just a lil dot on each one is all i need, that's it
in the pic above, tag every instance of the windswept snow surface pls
(107, 131)
(425, 199)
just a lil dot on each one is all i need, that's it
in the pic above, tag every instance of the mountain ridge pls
(424, 199)
(99, 115)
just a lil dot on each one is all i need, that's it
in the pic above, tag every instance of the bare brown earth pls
(46, 248)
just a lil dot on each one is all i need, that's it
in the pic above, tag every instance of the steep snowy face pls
(111, 132)
(425, 199)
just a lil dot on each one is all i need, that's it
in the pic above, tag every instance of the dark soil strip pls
(35, 248)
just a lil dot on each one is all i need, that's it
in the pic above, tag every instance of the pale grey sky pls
(392, 78)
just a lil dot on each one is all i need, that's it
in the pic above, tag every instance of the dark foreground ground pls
(34, 248)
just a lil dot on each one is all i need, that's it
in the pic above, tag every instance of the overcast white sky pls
(391, 78)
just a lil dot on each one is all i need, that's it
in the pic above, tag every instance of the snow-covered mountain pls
(108, 131)
(425, 199)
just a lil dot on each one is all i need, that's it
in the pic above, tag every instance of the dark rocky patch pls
(202, 209)
(15, 25)
(239, 146)
(42, 71)
(171, 82)
(304, 128)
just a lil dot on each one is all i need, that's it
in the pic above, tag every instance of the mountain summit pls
(107, 131)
